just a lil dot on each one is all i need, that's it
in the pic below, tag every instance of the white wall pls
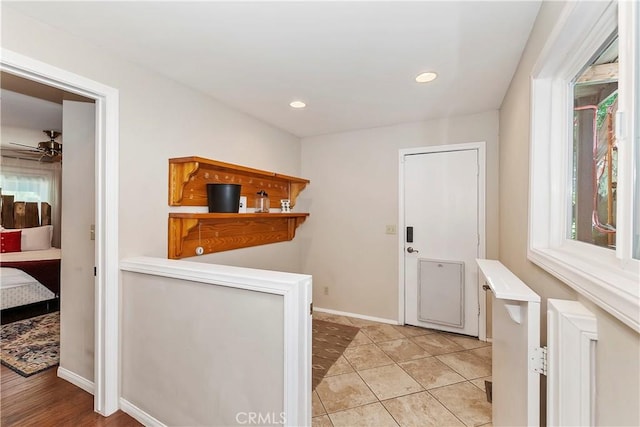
(26, 112)
(354, 194)
(196, 354)
(160, 119)
(618, 347)
(19, 135)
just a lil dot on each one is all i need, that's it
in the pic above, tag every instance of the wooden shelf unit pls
(216, 232)
(188, 177)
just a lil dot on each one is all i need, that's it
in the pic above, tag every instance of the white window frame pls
(611, 279)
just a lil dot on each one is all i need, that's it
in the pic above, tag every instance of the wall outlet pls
(243, 204)
(326, 290)
(391, 229)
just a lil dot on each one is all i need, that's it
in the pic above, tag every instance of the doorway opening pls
(106, 369)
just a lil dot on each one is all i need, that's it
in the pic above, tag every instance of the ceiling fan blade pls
(34, 149)
(20, 154)
(29, 153)
(49, 151)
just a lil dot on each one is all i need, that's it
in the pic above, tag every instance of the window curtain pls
(33, 181)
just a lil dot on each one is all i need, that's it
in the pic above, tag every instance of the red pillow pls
(10, 241)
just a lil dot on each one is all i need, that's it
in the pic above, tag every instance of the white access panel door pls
(572, 335)
(441, 292)
(441, 197)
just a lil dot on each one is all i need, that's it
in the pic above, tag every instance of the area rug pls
(329, 342)
(32, 345)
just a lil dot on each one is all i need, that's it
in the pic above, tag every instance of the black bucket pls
(223, 197)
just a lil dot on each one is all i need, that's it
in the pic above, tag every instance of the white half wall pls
(354, 194)
(197, 354)
(211, 345)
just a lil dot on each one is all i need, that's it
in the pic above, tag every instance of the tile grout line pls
(397, 363)
(356, 372)
(446, 407)
(369, 387)
(454, 369)
(424, 389)
(395, 397)
(374, 393)
(321, 403)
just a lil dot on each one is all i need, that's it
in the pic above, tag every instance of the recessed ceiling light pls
(426, 77)
(297, 104)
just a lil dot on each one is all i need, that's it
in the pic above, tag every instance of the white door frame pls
(106, 366)
(481, 147)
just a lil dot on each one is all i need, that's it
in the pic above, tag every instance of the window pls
(635, 135)
(30, 181)
(584, 160)
(26, 188)
(595, 150)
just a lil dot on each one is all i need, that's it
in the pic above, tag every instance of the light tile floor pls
(404, 376)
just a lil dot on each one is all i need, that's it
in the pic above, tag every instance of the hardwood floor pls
(46, 400)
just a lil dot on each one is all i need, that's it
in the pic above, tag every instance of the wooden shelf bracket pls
(178, 231)
(179, 175)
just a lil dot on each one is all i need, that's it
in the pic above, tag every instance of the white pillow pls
(37, 238)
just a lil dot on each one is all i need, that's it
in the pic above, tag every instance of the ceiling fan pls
(48, 151)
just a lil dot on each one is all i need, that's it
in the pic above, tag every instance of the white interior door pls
(441, 212)
(77, 280)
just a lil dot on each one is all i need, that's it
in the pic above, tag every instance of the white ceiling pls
(353, 63)
(22, 111)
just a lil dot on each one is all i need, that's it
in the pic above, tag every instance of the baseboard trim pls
(140, 415)
(76, 379)
(357, 316)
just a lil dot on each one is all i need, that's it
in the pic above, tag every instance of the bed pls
(29, 279)
(19, 288)
(42, 265)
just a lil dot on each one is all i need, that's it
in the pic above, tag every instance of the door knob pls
(411, 250)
